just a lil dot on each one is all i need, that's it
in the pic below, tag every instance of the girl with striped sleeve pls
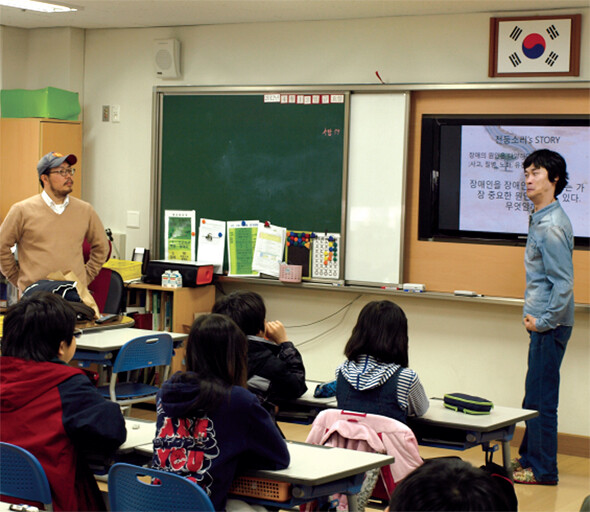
(375, 378)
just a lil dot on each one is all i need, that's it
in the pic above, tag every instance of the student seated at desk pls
(275, 367)
(376, 379)
(209, 425)
(51, 409)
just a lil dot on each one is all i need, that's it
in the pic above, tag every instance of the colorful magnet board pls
(326, 256)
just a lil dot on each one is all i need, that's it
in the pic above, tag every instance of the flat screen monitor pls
(472, 181)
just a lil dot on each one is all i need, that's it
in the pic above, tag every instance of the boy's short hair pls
(245, 308)
(553, 162)
(448, 484)
(35, 326)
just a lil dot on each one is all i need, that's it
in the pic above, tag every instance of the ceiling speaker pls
(167, 58)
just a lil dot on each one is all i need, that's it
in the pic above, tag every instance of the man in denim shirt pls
(548, 313)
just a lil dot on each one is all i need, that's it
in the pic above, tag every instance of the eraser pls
(466, 293)
(413, 287)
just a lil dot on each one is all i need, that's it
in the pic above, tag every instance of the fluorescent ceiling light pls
(32, 5)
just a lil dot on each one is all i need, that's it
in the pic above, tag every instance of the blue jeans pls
(538, 449)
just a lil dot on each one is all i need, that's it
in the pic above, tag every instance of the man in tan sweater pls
(49, 229)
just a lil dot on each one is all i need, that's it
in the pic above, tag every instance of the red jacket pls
(53, 411)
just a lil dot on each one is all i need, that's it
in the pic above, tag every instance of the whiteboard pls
(376, 188)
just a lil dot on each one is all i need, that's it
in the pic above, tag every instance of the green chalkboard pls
(238, 157)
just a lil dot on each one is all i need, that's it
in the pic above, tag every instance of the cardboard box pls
(50, 103)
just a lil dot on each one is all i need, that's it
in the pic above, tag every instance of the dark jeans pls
(538, 449)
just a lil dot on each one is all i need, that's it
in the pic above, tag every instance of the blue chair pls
(170, 492)
(22, 476)
(139, 353)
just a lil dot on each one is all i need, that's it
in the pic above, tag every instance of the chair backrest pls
(169, 492)
(108, 291)
(115, 297)
(22, 476)
(336, 427)
(144, 352)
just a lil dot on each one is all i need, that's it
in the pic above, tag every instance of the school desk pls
(121, 321)
(139, 432)
(314, 472)
(440, 427)
(305, 408)
(445, 428)
(99, 346)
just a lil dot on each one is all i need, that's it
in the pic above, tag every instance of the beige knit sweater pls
(48, 242)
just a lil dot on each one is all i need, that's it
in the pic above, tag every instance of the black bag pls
(504, 485)
(67, 290)
(467, 404)
(502, 479)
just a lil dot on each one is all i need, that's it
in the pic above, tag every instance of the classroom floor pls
(574, 473)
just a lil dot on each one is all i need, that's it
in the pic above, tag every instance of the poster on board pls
(179, 229)
(241, 240)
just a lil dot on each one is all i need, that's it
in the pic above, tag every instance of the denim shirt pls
(549, 295)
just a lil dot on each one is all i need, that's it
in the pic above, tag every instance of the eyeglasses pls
(64, 172)
(77, 333)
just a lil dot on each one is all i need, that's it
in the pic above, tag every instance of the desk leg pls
(352, 502)
(103, 375)
(506, 456)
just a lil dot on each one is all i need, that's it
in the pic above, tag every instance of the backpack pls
(502, 479)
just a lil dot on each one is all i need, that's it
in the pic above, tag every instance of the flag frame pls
(573, 67)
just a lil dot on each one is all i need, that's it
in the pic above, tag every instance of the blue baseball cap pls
(52, 160)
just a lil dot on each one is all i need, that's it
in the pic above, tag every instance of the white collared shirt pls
(57, 208)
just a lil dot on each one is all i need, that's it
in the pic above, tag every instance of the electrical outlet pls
(132, 219)
(106, 113)
(115, 114)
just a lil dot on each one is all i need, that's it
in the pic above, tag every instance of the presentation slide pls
(493, 193)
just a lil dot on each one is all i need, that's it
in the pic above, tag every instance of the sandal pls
(515, 464)
(526, 476)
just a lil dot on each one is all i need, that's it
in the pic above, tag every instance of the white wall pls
(35, 59)
(15, 47)
(455, 346)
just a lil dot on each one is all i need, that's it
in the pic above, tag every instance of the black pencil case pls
(467, 404)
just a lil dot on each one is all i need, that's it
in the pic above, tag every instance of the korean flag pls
(534, 46)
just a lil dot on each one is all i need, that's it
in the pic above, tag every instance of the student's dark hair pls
(553, 162)
(35, 326)
(216, 351)
(245, 308)
(448, 484)
(381, 331)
